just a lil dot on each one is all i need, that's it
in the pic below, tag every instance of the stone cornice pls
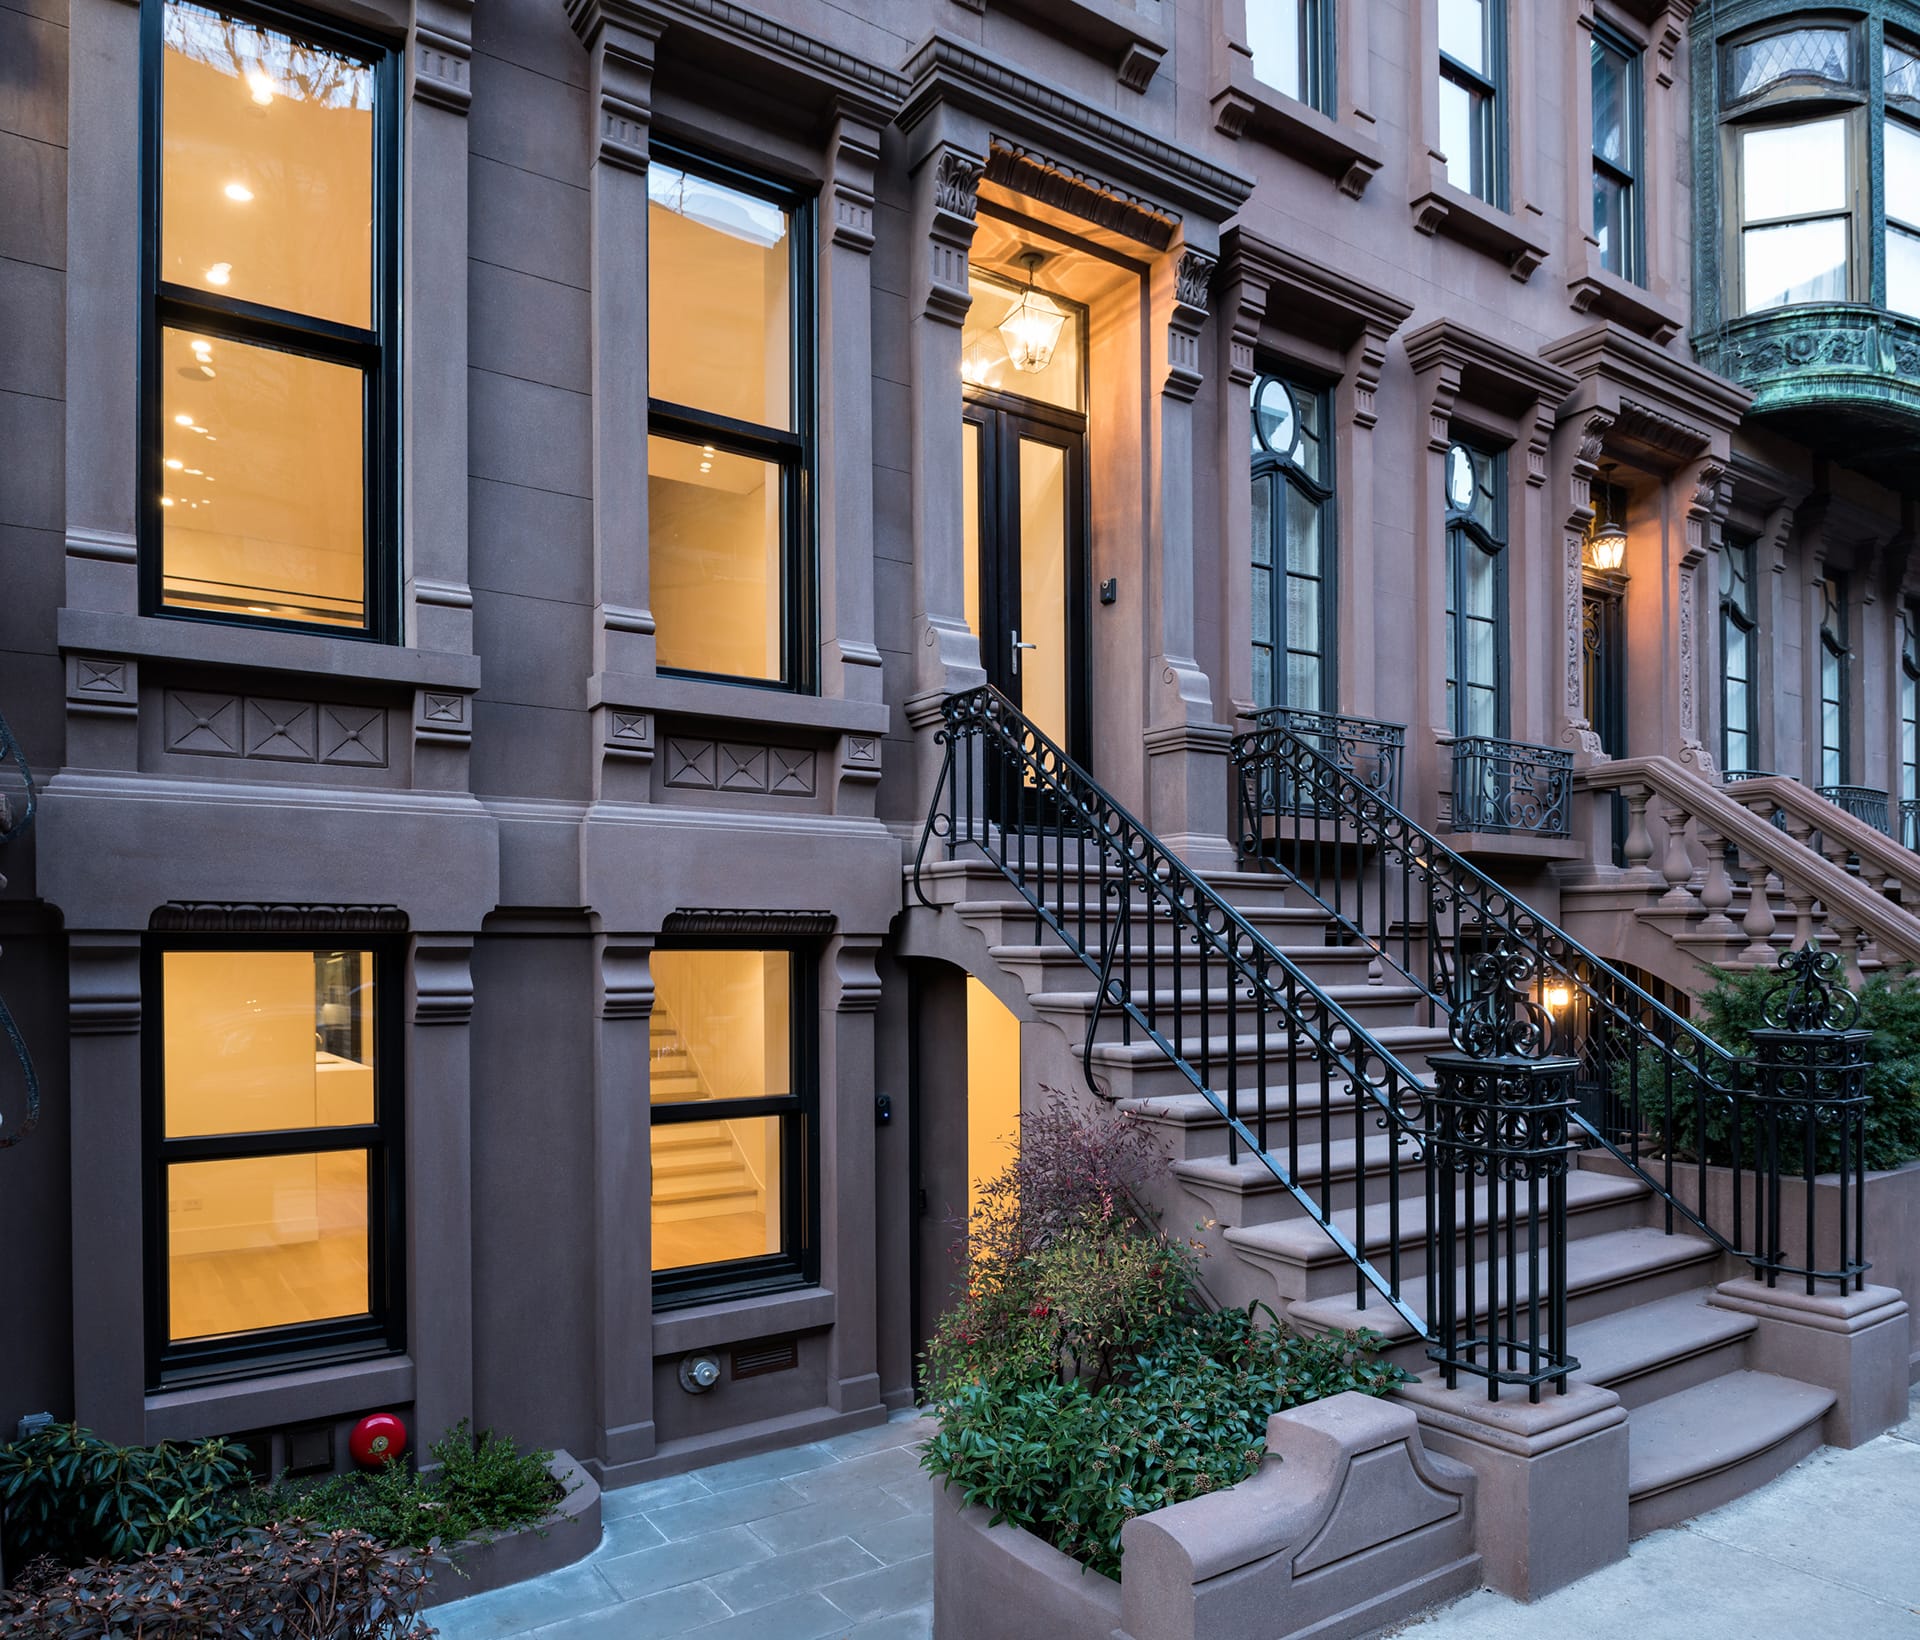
(1365, 308)
(1488, 371)
(1646, 371)
(948, 70)
(863, 86)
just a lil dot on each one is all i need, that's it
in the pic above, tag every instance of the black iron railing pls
(1862, 802)
(1370, 751)
(1509, 786)
(1295, 1076)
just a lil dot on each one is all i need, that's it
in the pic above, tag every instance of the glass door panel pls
(1039, 658)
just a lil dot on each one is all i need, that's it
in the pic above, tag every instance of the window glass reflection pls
(1793, 170)
(714, 532)
(1463, 33)
(1276, 37)
(1796, 262)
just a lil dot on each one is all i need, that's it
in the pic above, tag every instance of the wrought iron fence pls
(1372, 752)
(1862, 802)
(1509, 786)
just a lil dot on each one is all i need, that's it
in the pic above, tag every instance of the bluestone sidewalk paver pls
(834, 1542)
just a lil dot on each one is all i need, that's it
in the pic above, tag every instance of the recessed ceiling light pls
(260, 86)
(219, 273)
(175, 463)
(238, 192)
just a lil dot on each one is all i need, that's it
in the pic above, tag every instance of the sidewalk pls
(834, 1542)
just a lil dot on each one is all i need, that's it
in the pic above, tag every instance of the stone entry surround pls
(833, 1542)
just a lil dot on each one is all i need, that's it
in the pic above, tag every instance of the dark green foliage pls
(478, 1488)
(72, 1496)
(276, 1583)
(1073, 1462)
(1730, 1011)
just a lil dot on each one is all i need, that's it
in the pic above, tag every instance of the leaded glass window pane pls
(1901, 71)
(1816, 54)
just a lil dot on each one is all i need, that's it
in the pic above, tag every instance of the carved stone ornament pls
(1192, 279)
(956, 183)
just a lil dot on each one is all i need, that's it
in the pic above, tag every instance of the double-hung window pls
(729, 438)
(1476, 591)
(1472, 96)
(1291, 42)
(1737, 649)
(1294, 587)
(1900, 166)
(1909, 725)
(1618, 146)
(273, 1123)
(270, 409)
(1834, 679)
(733, 1092)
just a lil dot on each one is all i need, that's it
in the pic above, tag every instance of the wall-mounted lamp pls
(1032, 326)
(1607, 540)
(1558, 998)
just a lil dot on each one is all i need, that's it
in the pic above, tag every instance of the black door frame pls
(1003, 420)
(1603, 644)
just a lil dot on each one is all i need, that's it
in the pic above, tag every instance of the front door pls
(1604, 686)
(1026, 549)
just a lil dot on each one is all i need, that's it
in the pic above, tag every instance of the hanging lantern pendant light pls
(1031, 329)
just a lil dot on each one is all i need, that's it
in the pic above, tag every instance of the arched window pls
(1476, 591)
(1293, 546)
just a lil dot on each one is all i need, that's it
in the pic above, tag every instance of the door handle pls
(1017, 647)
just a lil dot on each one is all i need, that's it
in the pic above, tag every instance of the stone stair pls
(699, 1169)
(1704, 1426)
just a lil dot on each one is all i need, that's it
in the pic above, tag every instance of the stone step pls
(1054, 966)
(1658, 1349)
(1702, 1447)
(1195, 1131)
(1306, 1264)
(1139, 1070)
(1605, 1274)
(1244, 1193)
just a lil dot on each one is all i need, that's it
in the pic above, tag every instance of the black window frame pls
(376, 351)
(1832, 646)
(797, 1265)
(1463, 531)
(382, 1332)
(793, 451)
(1280, 471)
(1319, 60)
(1489, 92)
(1907, 721)
(1745, 617)
(1627, 176)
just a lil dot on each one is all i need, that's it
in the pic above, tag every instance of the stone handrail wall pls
(1822, 899)
(1829, 830)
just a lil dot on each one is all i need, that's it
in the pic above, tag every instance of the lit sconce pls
(1559, 998)
(1609, 547)
(1607, 536)
(1032, 326)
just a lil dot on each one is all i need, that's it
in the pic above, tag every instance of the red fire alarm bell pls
(379, 1438)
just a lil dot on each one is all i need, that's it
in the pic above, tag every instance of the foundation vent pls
(769, 1355)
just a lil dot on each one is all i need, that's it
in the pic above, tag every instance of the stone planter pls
(1349, 1524)
(570, 1533)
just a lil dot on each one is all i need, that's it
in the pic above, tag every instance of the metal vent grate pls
(776, 1355)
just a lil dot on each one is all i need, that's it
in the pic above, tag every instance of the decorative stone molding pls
(1187, 313)
(201, 724)
(629, 733)
(856, 981)
(740, 766)
(747, 924)
(955, 197)
(1054, 182)
(443, 979)
(856, 153)
(264, 917)
(102, 686)
(441, 59)
(956, 182)
(626, 979)
(441, 717)
(103, 984)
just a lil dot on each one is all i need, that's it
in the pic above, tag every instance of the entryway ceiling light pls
(1609, 548)
(1032, 326)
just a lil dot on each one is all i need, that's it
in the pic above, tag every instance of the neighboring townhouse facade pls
(497, 492)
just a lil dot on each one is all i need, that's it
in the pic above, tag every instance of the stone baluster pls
(1847, 937)
(1676, 866)
(1636, 850)
(1716, 893)
(1758, 923)
(1800, 898)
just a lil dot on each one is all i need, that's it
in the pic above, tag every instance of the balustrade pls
(1508, 786)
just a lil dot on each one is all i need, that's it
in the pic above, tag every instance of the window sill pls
(1132, 32)
(1245, 105)
(1445, 209)
(737, 703)
(730, 1321)
(301, 1396)
(296, 654)
(1608, 296)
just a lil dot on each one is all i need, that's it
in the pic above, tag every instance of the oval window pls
(1275, 422)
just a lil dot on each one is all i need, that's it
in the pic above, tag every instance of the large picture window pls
(1618, 144)
(1738, 740)
(729, 499)
(270, 409)
(1834, 669)
(732, 1096)
(1294, 590)
(1476, 591)
(1472, 96)
(1291, 42)
(273, 1117)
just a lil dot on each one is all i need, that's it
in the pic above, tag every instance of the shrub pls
(480, 1486)
(74, 1497)
(277, 1582)
(1731, 1009)
(1073, 1462)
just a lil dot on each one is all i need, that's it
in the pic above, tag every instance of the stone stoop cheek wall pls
(1351, 1524)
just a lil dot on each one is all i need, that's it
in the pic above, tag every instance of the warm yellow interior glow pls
(983, 349)
(1043, 586)
(714, 559)
(266, 167)
(719, 303)
(993, 1088)
(266, 507)
(268, 1241)
(721, 1029)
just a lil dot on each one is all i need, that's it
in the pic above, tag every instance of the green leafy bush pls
(1073, 1462)
(273, 1583)
(480, 1487)
(1731, 1010)
(72, 1496)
